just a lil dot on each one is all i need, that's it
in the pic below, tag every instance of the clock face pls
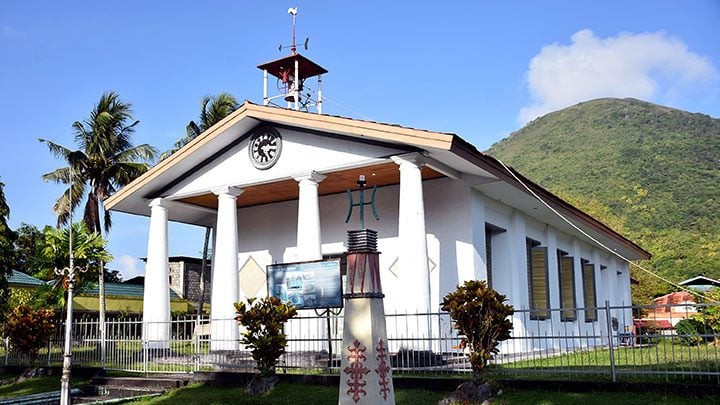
(265, 147)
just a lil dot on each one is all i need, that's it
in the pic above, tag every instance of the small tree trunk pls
(203, 265)
(101, 299)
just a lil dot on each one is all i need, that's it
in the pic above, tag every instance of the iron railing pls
(615, 343)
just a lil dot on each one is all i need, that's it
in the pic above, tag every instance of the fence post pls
(49, 347)
(610, 340)
(7, 350)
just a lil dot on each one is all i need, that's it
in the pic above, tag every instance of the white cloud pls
(128, 266)
(649, 66)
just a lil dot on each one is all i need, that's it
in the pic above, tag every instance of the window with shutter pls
(490, 232)
(589, 295)
(488, 255)
(566, 278)
(538, 280)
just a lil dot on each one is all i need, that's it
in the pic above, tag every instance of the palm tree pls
(213, 110)
(104, 161)
(7, 251)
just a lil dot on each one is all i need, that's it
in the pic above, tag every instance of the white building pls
(272, 183)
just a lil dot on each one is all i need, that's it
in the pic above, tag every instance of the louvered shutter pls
(539, 280)
(567, 288)
(589, 292)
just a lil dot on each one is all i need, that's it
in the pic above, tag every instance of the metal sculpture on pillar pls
(70, 273)
(365, 374)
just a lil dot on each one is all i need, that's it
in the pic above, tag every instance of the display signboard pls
(307, 285)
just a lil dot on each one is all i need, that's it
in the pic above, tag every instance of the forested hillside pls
(650, 172)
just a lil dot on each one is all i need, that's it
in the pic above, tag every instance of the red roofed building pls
(672, 308)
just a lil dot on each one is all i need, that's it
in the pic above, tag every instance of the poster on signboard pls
(306, 285)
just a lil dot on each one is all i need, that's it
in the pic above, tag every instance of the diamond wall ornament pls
(395, 268)
(252, 277)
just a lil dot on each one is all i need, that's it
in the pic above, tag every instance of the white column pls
(225, 281)
(156, 296)
(413, 256)
(477, 215)
(308, 221)
(518, 279)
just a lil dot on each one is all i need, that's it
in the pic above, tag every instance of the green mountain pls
(650, 172)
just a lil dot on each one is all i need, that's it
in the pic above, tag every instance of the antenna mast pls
(293, 12)
(291, 73)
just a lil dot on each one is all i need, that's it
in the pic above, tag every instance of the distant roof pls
(20, 278)
(701, 280)
(139, 280)
(674, 298)
(186, 259)
(123, 290)
(652, 324)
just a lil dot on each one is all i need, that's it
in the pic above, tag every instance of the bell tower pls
(291, 73)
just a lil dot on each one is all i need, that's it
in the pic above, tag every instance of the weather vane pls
(362, 203)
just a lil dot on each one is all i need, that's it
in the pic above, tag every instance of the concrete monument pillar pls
(225, 278)
(365, 374)
(156, 296)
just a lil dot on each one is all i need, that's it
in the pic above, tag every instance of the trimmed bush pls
(689, 332)
(481, 316)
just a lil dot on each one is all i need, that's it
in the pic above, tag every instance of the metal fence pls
(605, 343)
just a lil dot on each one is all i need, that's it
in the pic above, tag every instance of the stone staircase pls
(111, 389)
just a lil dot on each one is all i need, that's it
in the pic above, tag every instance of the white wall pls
(456, 215)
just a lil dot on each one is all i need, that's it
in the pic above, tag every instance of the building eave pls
(441, 146)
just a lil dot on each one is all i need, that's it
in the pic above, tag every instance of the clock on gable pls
(264, 148)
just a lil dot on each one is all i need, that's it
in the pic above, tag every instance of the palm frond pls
(56, 149)
(144, 153)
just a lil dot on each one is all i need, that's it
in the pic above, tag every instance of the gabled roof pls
(701, 280)
(20, 278)
(122, 290)
(445, 148)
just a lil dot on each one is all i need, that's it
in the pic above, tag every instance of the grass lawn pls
(662, 357)
(31, 386)
(289, 393)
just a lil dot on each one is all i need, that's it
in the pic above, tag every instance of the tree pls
(105, 161)
(481, 317)
(263, 321)
(213, 110)
(710, 314)
(7, 252)
(89, 249)
(29, 246)
(29, 330)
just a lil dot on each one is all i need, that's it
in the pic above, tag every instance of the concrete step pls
(109, 389)
(149, 383)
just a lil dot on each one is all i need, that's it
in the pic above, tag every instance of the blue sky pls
(476, 69)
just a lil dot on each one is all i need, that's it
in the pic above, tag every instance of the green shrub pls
(481, 316)
(689, 332)
(264, 320)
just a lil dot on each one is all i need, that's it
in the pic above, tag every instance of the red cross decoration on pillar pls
(356, 370)
(383, 369)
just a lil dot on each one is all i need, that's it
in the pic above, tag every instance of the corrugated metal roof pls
(122, 290)
(20, 278)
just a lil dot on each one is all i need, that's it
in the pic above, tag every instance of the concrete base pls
(365, 375)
